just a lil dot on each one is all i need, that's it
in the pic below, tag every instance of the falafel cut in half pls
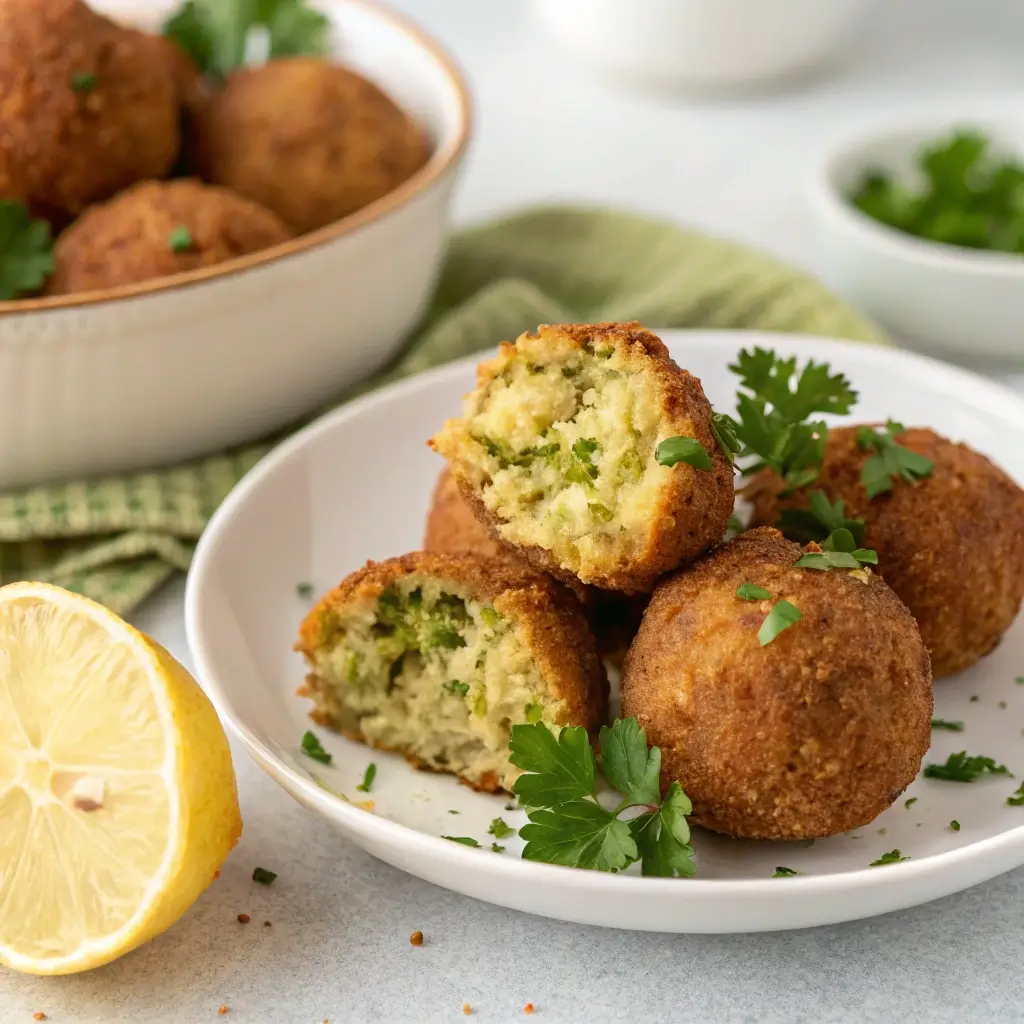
(557, 451)
(794, 720)
(436, 657)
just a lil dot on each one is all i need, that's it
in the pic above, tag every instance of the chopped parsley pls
(948, 726)
(311, 747)
(735, 527)
(674, 450)
(1019, 680)
(781, 617)
(838, 551)
(495, 848)
(368, 776)
(180, 239)
(263, 876)
(752, 592)
(456, 688)
(909, 802)
(26, 251)
(954, 825)
(962, 768)
(1017, 799)
(890, 461)
(819, 520)
(452, 811)
(83, 81)
(465, 840)
(975, 699)
(892, 857)
(784, 873)
(304, 590)
(500, 830)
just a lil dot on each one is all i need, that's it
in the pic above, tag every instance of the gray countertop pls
(338, 945)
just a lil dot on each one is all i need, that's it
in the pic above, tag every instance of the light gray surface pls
(338, 947)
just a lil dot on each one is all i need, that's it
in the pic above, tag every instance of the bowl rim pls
(441, 163)
(829, 201)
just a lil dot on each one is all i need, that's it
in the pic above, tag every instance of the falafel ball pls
(452, 528)
(159, 228)
(814, 733)
(86, 109)
(306, 138)
(949, 544)
(438, 656)
(557, 451)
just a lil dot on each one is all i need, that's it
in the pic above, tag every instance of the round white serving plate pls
(356, 484)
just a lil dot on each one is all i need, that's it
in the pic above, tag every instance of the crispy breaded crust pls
(694, 510)
(813, 734)
(547, 617)
(951, 545)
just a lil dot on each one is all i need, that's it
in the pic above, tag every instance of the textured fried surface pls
(308, 139)
(694, 506)
(62, 149)
(547, 618)
(128, 238)
(951, 545)
(813, 734)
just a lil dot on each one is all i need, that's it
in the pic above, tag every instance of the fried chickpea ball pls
(308, 139)
(86, 109)
(159, 228)
(814, 733)
(452, 528)
(438, 656)
(556, 452)
(949, 545)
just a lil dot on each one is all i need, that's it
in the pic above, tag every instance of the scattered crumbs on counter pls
(222, 1009)
(244, 918)
(366, 805)
(416, 939)
(216, 874)
(856, 837)
(39, 1015)
(267, 924)
(528, 1008)
(467, 1009)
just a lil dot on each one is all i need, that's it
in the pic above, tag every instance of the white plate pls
(356, 485)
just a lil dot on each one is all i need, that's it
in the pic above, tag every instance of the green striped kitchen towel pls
(116, 539)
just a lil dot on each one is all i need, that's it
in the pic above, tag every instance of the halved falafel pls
(159, 228)
(86, 110)
(556, 451)
(951, 544)
(810, 734)
(306, 138)
(437, 657)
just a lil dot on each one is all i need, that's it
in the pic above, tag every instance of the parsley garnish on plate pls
(26, 251)
(83, 81)
(782, 616)
(891, 460)
(1019, 680)
(304, 590)
(752, 592)
(892, 857)
(499, 829)
(909, 802)
(1017, 799)
(566, 823)
(819, 520)
(368, 776)
(948, 726)
(784, 873)
(263, 876)
(495, 848)
(180, 239)
(954, 825)
(465, 840)
(312, 747)
(838, 551)
(674, 450)
(962, 768)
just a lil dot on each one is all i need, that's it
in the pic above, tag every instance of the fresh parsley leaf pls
(942, 723)
(819, 520)
(782, 616)
(263, 876)
(26, 251)
(368, 776)
(1019, 680)
(180, 239)
(192, 30)
(771, 379)
(724, 428)
(304, 590)
(784, 873)
(674, 450)
(311, 747)
(962, 768)
(83, 82)
(954, 825)
(560, 769)
(495, 848)
(465, 840)
(892, 857)
(295, 29)
(1017, 799)
(455, 687)
(752, 592)
(891, 460)
(627, 764)
(578, 833)
(662, 837)
(499, 829)
(909, 802)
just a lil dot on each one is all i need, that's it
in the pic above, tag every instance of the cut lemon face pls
(117, 794)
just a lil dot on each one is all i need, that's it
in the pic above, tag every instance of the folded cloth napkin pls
(118, 538)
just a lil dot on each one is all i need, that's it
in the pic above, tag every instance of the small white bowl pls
(151, 373)
(957, 302)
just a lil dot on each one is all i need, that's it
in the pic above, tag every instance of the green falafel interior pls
(429, 672)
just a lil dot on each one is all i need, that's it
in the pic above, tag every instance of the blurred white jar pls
(702, 44)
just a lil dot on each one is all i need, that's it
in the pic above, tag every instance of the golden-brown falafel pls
(438, 656)
(453, 528)
(949, 545)
(814, 733)
(86, 110)
(556, 451)
(308, 139)
(159, 228)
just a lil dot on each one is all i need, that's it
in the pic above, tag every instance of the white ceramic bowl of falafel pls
(711, 631)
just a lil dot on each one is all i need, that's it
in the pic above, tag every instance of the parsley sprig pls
(838, 551)
(819, 520)
(26, 251)
(890, 461)
(568, 826)
(892, 857)
(963, 768)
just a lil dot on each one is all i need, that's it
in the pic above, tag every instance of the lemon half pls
(117, 795)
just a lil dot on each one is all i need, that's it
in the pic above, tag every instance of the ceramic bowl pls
(960, 303)
(151, 373)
